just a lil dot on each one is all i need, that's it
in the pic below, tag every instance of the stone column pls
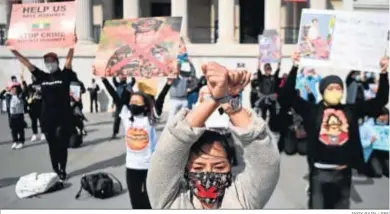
(180, 8)
(226, 22)
(272, 10)
(130, 9)
(84, 21)
(318, 4)
(348, 5)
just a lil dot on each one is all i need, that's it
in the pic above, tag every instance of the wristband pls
(222, 100)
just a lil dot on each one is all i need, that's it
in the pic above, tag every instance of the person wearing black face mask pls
(56, 113)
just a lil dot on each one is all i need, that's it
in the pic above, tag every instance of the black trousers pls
(94, 102)
(329, 188)
(117, 120)
(271, 107)
(35, 112)
(136, 185)
(58, 141)
(378, 164)
(17, 128)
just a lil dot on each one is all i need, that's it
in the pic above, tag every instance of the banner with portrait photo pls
(382, 141)
(42, 25)
(343, 40)
(269, 47)
(142, 47)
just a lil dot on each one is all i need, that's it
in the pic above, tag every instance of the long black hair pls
(149, 105)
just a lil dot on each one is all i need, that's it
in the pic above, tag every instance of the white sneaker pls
(34, 138)
(14, 145)
(43, 137)
(19, 146)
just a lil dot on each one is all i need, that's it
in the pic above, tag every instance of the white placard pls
(185, 66)
(343, 40)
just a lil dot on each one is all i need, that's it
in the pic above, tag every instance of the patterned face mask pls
(209, 187)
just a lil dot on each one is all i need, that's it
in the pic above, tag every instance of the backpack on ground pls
(34, 184)
(99, 185)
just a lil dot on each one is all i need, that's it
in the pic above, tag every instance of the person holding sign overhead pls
(334, 146)
(56, 114)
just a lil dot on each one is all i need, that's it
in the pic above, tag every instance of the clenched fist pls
(217, 77)
(384, 63)
(295, 57)
(238, 80)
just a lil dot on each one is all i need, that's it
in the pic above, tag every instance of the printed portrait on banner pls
(315, 35)
(144, 47)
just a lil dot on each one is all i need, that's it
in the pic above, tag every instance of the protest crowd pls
(190, 165)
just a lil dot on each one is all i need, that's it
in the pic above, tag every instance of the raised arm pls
(115, 81)
(112, 92)
(23, 60)
(276, 75)
(253, 186)
(133, 81)
(69, 59)
(373, 106)
(161, 98)
(289, 94)
(167, 166)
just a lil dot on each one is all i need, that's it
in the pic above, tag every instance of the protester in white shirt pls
(140, 137)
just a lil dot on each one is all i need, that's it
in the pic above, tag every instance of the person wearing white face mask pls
(56, 112)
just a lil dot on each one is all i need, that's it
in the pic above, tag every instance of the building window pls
(293, 20)
(160, 9)
(251, 20)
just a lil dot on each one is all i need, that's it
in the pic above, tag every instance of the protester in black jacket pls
(93, 95)
(124, 91)
(266, 86)
(333, 136)
(34, 101)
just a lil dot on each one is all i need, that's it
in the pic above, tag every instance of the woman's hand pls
(295, 57)
(238, 80)
(217, 79)
(384, 63)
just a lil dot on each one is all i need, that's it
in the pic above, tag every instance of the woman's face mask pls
(209, 187)
(52, 66)
(136, 109)
(333, 95)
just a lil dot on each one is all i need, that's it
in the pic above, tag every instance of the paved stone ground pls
(100, 154)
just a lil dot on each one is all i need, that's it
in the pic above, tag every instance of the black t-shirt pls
(56, 110)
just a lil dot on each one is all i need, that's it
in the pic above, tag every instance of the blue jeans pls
(192, 99)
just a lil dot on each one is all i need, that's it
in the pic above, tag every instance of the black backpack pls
(99, 185)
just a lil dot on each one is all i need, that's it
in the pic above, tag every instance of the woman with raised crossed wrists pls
(190, 168)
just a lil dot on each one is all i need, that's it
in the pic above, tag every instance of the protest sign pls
(343, 40)
(269, 46)
(143, 47)
(382, 142)
(43, 25)
(75, 91)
